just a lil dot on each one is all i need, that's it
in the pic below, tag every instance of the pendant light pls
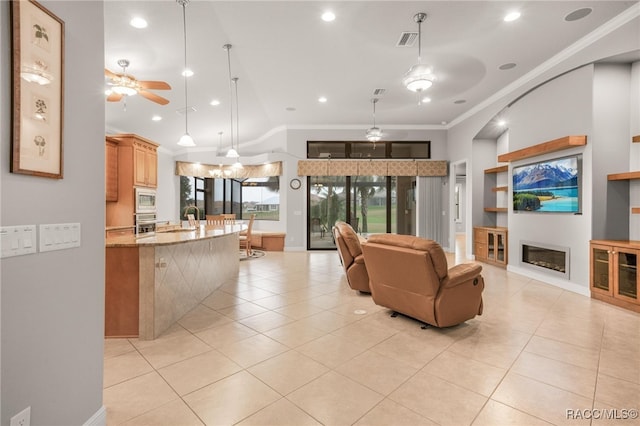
(186, 139)
(232, 153)
(216, 173)
(237, 164)
(374, 134)
(420, 76)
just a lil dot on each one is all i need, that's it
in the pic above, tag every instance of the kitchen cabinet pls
(137, 167)
(613, 273)
(490, 245)
(111, 170)
(145, 168)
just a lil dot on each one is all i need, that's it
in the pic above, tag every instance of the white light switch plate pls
(59, 236)
(18, 240)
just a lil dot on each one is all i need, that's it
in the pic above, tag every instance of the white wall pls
(634, 157)
(52, 315)
(560, 108)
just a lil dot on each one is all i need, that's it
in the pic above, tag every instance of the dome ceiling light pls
(420, 76)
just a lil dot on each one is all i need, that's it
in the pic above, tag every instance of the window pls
(261, 196)
(191, 194)
(357, 149)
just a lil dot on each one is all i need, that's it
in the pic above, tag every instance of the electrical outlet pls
(23, 418)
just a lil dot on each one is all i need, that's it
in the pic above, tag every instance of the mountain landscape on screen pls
(547, 186)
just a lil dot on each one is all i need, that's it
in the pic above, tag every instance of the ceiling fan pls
(124, 84)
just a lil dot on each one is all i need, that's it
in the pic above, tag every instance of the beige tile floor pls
(283, 345)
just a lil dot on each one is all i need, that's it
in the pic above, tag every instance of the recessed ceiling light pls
(578, 14)
(214, 102)
(426, 100)
(511, 16)
(322, 99)
(460, 101)
(502, 123)
(187, 73)
(507, 66)
(328, 16)
(156, 118)
(138, 22)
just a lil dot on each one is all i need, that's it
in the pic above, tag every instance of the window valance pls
(184, 168)
(372, 168)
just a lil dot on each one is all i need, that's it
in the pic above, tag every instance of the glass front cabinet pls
(614, 273)
(490, 244)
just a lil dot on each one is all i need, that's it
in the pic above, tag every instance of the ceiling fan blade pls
(110, 74)
(114, 97)
(153, 97)
(154, 85)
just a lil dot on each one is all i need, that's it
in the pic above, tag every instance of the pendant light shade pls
(374, 134)
(186, 140)
(420, 76)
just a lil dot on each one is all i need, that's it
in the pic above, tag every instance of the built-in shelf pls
(635, 210)
(635, 139)
(544, 148)
(499, 169)
(500, 188)
(624, 176)
(495, 209)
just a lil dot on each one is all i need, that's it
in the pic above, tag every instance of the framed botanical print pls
(37, 92)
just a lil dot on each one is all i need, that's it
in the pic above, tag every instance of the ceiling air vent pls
(407, 39)
(379, 92)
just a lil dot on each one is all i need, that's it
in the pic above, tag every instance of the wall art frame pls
(37, 90)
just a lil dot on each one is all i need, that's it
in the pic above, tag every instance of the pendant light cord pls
(186, 98)
(227, 47)
(235, 84)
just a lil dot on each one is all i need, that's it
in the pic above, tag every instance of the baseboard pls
(557, 282)
(99, 418)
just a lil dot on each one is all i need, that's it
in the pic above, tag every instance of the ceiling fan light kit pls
(123, 85)
(420, 76)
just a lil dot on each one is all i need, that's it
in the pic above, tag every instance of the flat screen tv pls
(552, 186)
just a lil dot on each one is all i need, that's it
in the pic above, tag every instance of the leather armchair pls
(410, 275)
(350, 252)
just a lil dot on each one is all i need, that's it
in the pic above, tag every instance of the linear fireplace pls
(545, 258)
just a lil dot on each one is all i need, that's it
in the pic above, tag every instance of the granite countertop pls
(175, 236)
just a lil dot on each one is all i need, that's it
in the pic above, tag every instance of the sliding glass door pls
(371, 204)
(327, 201)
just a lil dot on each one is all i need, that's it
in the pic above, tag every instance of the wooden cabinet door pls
(601, 269)
(139, 160)
(625, 274)
(111, 171)
(151, 169)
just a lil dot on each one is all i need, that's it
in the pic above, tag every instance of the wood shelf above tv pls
(635, 139)
(624, 176)
(635, 210)
(544, 148)
(496, 209)
(500, 188)
(499, 169)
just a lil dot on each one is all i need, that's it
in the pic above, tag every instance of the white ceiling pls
(285, 56)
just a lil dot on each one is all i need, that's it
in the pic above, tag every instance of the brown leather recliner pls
(350, 252)
(410, 275)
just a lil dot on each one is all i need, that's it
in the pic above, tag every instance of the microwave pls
(145, 200)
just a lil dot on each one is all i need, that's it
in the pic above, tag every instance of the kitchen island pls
(152, 281)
